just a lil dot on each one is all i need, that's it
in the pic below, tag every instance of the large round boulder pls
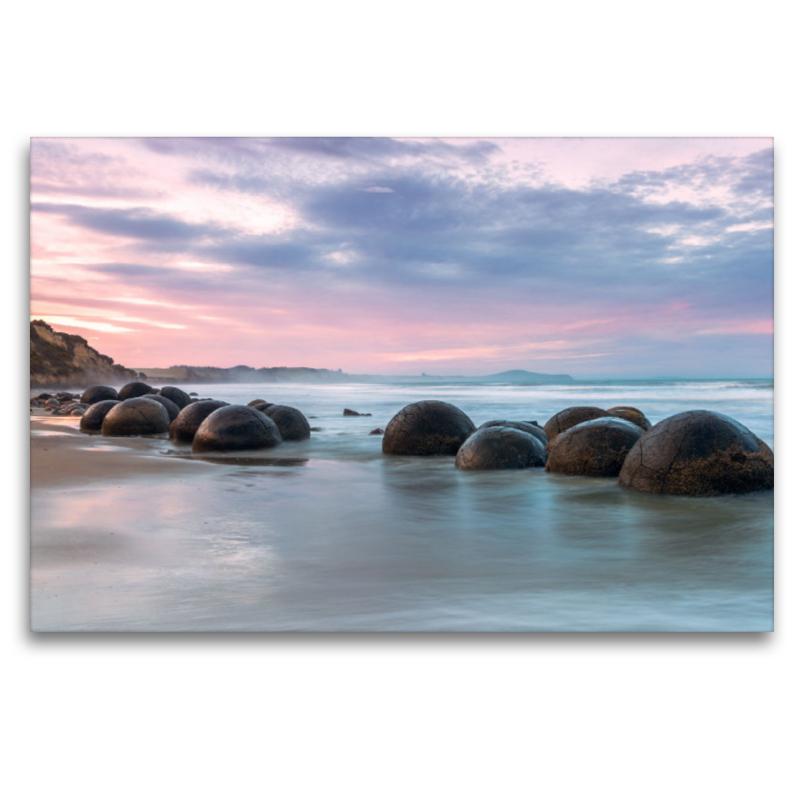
(528, 427)
(191, 417)
(92, 420)
(135, 389)
(235, 427)
(699, 453)
(569, 417)
(427, 428)
(596, 448)
(94, 394)
(178, 396)
(632, 415)
(138, 416)
(172, 409)
(291, 422)
(496, 447)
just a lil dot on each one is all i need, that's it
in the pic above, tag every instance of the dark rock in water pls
(527, 427)
(427, 428)
(138, 416)
(257, 402)
(496, 447)
(96, 393)
(172, 408)
(565, 419)
(64, 396)
(92, 420)
(233, 428)
(348, 412)
(596, 448)
(185, 426)
(315, 430)
(263, 406)
(377, 432)
(632, 415)
(699, 453)
(192, 394)
(291, 423)
(77, 412)
(43, 396)
(178, 396)
(135, 389)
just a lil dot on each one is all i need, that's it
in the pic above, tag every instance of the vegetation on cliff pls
(63, 359)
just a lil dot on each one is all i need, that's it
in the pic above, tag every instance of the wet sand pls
(61, 455)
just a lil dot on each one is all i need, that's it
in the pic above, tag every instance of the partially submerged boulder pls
(596, 448)
(348, 412)
(92, 420)
(178, 396)
(427, 428)
(529, 427)
(185, 425)
(96, 393)
(497, 447)
(138, 416)
(291, 422)
(234, 428)
(569, 417)
(632, 415)
(699, 453)
(135, 389)
(172, 408)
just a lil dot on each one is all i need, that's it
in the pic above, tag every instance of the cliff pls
(65, 360)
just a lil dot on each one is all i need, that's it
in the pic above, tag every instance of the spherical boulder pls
(632, 415)
(574, 415)
(291, 422)
(138, 416)
(94, 394)
(135, 389)
(427, 428)
(235, 427)
(699, 453)
(263, 406)
(528, 427)
(497, 447)
(178, 396)
(185, 426)
(596, 448)
(92, 420)
(257, 402)
(172, 409)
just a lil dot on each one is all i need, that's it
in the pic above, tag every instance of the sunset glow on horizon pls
(602, 258)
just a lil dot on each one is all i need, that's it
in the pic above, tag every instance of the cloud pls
(417, 232)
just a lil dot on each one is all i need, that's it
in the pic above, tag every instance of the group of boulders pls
(692, 453)
(208, 425)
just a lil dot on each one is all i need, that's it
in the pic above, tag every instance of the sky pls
(601, 258)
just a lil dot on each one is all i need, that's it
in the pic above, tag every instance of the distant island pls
(65, 360)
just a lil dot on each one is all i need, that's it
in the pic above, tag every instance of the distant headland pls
(64, 360)
(245, 374)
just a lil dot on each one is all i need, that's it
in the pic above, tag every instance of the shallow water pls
(330, 534)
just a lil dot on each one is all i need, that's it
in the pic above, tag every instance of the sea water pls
(331, 535)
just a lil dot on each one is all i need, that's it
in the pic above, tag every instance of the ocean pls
(331, 535)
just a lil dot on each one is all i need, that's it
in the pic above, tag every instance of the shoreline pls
(61, 455)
